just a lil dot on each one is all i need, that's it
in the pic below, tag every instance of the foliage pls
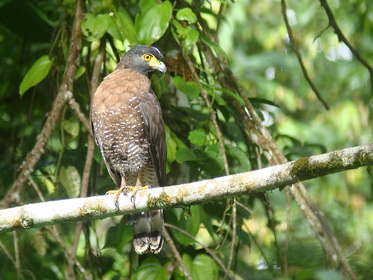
(253, 36)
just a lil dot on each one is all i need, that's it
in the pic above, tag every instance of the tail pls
(147, 229)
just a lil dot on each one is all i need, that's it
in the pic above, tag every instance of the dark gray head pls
(143, 59)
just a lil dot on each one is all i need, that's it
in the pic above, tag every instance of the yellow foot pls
(112, 192)
(135, 189)
(129, 190)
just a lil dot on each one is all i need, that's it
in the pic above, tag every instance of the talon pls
(130, 191)
(135, 189)
(117, 194)
(111, 192)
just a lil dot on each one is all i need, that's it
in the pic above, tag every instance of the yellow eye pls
(146, 57)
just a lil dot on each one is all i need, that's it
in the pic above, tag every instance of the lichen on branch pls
(248, 183)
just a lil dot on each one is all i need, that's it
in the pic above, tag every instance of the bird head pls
(143, 59)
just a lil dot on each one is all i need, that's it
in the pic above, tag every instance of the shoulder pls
(122, 83)
(125, 75)
(126, 80)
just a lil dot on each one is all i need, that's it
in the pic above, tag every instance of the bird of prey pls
(128, 128)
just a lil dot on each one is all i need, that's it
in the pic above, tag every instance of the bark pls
(248, 183)
(63, 96)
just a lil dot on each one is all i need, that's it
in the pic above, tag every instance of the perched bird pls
(128, 128)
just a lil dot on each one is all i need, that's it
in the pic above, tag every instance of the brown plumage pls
(128, 128)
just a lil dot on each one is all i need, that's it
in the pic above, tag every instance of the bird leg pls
(123, 189)
(129, 190)
(138, 185)
(132, 190)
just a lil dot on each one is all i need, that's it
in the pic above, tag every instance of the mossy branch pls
(63, 96)
(249, 183)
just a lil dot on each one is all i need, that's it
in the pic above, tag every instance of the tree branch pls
(177, 255)
(64, 94)
(249, 183)
(91, 145)
(76, 108)
(212, 113)
(299, 56)
(258, 134)
(207, 249)
(342, 38)
(223, 152)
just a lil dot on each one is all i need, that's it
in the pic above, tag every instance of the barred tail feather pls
(156, 234)
(147, 229)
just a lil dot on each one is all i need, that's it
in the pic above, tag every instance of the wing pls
(155, 133)
(114, 175)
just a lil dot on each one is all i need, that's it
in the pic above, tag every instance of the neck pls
(126, 64)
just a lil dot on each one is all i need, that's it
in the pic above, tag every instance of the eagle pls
(128, 128)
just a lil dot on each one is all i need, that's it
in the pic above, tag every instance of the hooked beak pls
(158, 65)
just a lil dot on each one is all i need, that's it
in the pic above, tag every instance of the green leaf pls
(182, 31)
(121, 27)
(70, 180)
(94, 27)
(39, 243)
(243, 164)
(171, 145)
(151, 269)
(191, 38)
(187, 15)
(188, 34)
(71, 126)
(213, 46)
(146, 5)
(201, 266)
(118, 235)
(208, 220)
(204, 265)
(153, 24)
(197, 137)
(190, 89)
(232, 94)
(51, 188)
(216, 96)
(213, 152)
(38, 71)
(101, 6)
(263, 101)
(187, 259)
(190, 224)
(79, 72)
(323, 274)
(174, 34)
(233, 131)
(185, 154)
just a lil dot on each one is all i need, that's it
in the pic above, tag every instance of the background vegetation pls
(206, 135)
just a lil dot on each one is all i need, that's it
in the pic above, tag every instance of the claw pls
(135, 189)
(117, 194)
(130, 191)
(111, 192)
